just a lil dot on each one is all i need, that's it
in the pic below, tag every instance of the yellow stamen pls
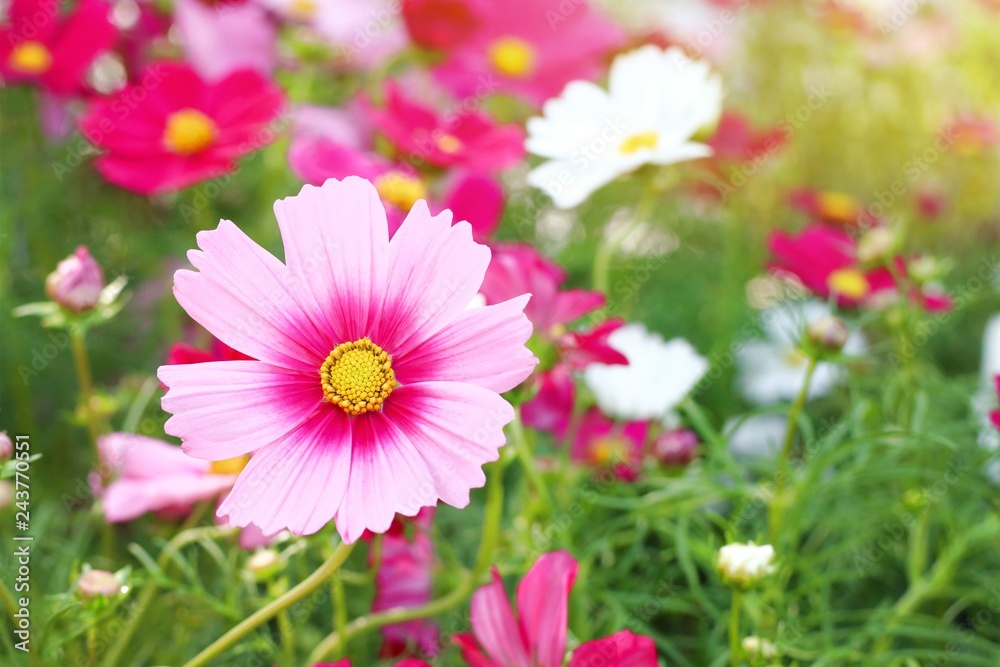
(449, 143)
(30, 58)
(401, 190)
(188, 132)
(301, 10)
(357, 377)
(837, 206)
(512, 56)
(639, 141)
(233, 466)
(608, 450)
(849, 282)
(794, 357)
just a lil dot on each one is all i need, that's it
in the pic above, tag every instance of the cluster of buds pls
(744, 565)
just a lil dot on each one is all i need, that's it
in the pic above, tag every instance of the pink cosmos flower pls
(464, 138)
(551, 408)
(346, 662)
(996, 415)
(826, 261)
(442, 24)
(520, 268)
(530, 49)
(602, 442)
(537, 636)
(222, 37)
(404, 580)
(376, 391)
(332, 143)
(172, 128)
(835, 208)
(154, 476)
(972, 134)
(41, 47)
(736, 141)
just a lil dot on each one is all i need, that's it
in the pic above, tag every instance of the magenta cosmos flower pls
(171, 128)
(537, 637)
(376, 392)
(530, 49)
(996, 414)
(39, 46)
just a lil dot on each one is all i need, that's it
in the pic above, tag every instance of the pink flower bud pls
(95, 583)
(77, 281)
(676, 447)
(6, 447)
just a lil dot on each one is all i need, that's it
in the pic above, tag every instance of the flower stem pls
(266, 613)
(782, 472)
(526, 456)
(734, 630)
(149, 592)
(487, 545)
(601, 270)
(79, 346)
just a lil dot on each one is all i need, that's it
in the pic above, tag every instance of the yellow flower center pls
(30, 58)
(512, 56)
(233, 466)
(608, 450)
(301, 10)
(837, 206)
(188, 132)
(849, 282)
(639, 141)
(357, 376)
(793, 356)
(400, 190)
(449, 143)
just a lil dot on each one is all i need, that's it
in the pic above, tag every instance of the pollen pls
(512, 56)
(849, 282)
(30, 58)
(357, 377)
(233, 466)
(449, 143)
(189, 132)
(638, 142)
(401, 190)
(302, 10)
(837, 206)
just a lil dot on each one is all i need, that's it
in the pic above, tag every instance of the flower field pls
(500, 333)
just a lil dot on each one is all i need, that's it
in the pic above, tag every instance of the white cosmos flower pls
(655, 103)
(772, 369)
(658, 375)
(745, 564)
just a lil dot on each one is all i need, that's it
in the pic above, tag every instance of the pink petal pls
(575, 303)
(484, 346)
(471, 653)
(86, 33)
(455, 427)
(296, 483)
(478, 199)
(127, 499)
(622, 649)
(435, 269)
(138, 457)
(223, 409)
(336, 239)
(223, 38)
(243, 296)
(494, 625)
(388, 476)
(542, 601)
(159, 172)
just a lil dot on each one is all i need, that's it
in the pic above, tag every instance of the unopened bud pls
(758, 648)
(876, 245)
(264, 563)
(98, 583)
(828, 333)
(77, 281)
(676, 447)
(6, 447)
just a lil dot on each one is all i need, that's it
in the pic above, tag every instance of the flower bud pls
(6, 494)
(743, 565)
(98, 583)
(876, 245)
(676, 447)
(6, 447)
(264, 563)
(758, 648)
(77, 281)
(828, 334)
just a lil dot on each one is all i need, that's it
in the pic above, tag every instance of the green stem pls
(782, 468)
(916, 561)
(527, 458)
(285, 627)
(149, 592)
(734, 631)
(487, 545)
(92, 646)
(340, 611)
(266, 613)
(606, 251)
(79, 346)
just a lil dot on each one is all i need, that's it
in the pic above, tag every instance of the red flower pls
(600, 441)
(442, 24)
(172, 128)
(40, 47)
(469, 139)
(835, 208)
